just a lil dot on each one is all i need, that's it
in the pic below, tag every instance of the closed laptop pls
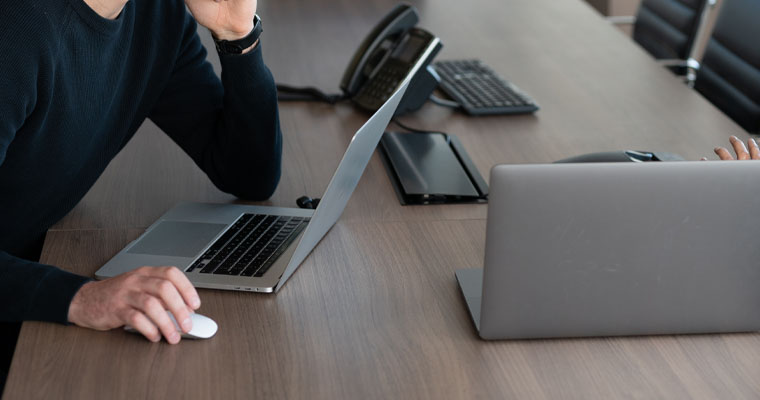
(619, 249)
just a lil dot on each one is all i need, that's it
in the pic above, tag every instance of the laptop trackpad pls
(177, 239)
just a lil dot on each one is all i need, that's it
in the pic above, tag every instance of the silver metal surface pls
(345, 179)
(471, 283)
(621, 249)
(349, 171)
(224, 214)
(330, 208)
(702, 29)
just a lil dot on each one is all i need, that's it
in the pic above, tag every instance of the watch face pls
(235, 48)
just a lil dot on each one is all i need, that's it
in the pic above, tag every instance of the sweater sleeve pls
(230, 128)
(28, 290)
(33, 291)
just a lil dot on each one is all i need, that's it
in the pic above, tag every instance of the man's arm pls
(34, 291)
(138, 298)
(28, 290)
(230, 128)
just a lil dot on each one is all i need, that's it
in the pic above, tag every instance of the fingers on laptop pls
(748, 152)
(754, 150)
(739, 148)
(723, 154)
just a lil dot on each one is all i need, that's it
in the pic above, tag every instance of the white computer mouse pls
(203, 327)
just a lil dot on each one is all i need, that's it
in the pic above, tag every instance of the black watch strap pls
(237, 46)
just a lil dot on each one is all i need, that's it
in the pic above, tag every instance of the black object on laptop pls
(623, 156)
(479, 90)
(431, 168)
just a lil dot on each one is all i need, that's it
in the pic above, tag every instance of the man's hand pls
(741, 151)
(140, 299)
(226, 19)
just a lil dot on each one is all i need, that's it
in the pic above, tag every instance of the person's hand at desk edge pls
(140, 299)
(75, 93)
(749, 152)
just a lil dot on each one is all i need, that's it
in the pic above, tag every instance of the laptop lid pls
(345, 179)
(622, 249)
(336, 196)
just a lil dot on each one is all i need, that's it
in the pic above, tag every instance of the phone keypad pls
(381, 86)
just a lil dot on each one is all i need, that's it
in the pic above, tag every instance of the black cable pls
(443, 102)
(409, 128)
(291, 93)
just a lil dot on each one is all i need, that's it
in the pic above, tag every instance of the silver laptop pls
(252, 248)
(618, 249)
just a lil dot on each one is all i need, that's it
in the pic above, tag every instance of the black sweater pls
(74, 88)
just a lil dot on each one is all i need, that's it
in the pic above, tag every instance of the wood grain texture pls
(374, 312)
(597, 89)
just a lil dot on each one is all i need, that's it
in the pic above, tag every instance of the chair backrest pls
(667, 28)
(730, 73)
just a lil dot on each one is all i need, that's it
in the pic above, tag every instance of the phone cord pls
(290, 93)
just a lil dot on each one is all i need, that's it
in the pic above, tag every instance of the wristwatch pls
(237, 46)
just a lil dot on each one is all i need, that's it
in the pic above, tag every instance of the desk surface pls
(597, 90)
(375, 311)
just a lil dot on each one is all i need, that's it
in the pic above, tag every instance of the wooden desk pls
(597, 89)
(375, 311)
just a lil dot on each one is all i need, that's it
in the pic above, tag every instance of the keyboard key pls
(250, 246)
(210, 267)
(194, 266)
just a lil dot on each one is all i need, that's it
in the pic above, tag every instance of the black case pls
(431, 168)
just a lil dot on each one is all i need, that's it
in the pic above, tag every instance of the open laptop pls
(611, 249)
(252, 248)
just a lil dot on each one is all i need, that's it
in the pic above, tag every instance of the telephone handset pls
(399, 20)
(386, 56)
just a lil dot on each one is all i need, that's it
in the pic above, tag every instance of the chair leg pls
(692, 66)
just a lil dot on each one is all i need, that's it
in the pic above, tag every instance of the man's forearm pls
(230, 128)
(34, 291)
(250, 125)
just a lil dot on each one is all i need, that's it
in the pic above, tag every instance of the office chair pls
(669, 29)
(730, 72)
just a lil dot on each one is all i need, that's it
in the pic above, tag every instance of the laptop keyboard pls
(250, 246)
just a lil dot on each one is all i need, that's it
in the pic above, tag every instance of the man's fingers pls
(180, 281)
(739, 148)
(754, 150)
(142, 324)
(185, 288)
(153, 308)
(171, 299)
(723, 153)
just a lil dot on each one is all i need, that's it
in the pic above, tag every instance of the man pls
(78, 78)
